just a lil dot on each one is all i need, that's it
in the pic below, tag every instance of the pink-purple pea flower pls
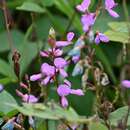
(60, 64)
(46, 75)
(109, 5)
(64, 90)
(126, 83)
(29, 98)
(70, 37)
(100, 37)
(84, 5)
(88, 20)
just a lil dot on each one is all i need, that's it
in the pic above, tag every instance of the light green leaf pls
(97, 126)
(31, 7)
(119, 32)
(51, 112)
(119, 26)
(119, 115)
(5, 97)
(117, 36)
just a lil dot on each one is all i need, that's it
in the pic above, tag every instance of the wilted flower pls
(70, 37)
(101, 38)
(84, 5)
(64, 90)
(29, 98)
(109, 5)
(126, 83)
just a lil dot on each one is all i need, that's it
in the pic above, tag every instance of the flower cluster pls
(49, 72)
(88, 18)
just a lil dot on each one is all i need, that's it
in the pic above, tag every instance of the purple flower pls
(51, 52)
(64, 90)
(46, 75)
(27, 97)
(1, 87)
(126, 83)
(109, 5)
(88, 20)
(101, 38)
(84, 5)
(70, 37)
(48, 72)
(60, 63)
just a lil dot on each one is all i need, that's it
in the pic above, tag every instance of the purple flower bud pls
(70, 36)
(44, 54)
(101, 37)
(126, 83)
(75, 59)
(58, 52)
(35, 77)
(1, 88)
(84, 5)
(109, 5)
(60, 62)
(23, 85)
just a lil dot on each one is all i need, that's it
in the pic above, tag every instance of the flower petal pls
(64, 102)
(35, 77)
(84, 5)
(126, 83)
(60, 62)
(62, 43)
(70, 36)
(78, 92)
(63, 73)
(113, 13)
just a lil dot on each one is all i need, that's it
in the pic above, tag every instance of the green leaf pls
(97, 126)
(119, 26)
(116, 36)
(17, 37)
(6, 70)
(51, 112)
(119, 115)
(5, 97)
(31, 7)
(47, 2)
(119, 32)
